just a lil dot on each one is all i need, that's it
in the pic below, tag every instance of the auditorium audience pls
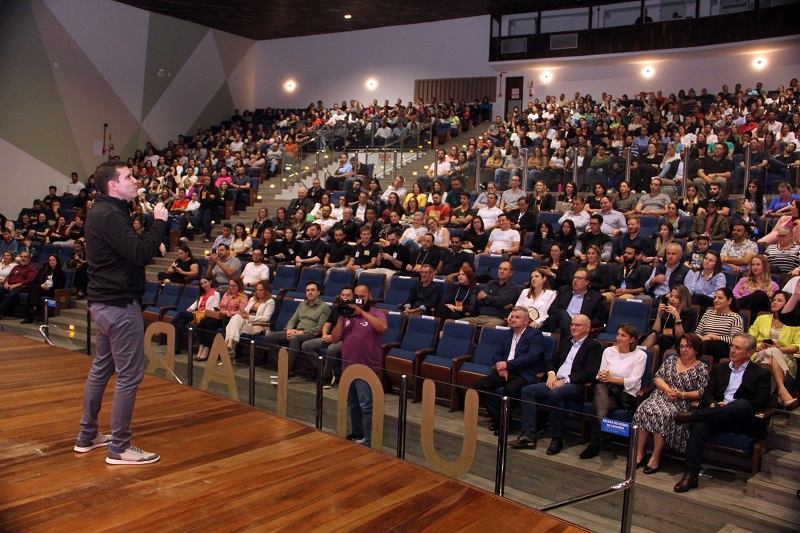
(556, 146)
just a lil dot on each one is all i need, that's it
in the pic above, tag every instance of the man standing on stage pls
(117, 257)
(361, 336)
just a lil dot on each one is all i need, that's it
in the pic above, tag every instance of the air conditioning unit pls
(514, 46)
(564, 41)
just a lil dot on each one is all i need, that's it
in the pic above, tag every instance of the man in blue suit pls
(517, 360)
(575, 363)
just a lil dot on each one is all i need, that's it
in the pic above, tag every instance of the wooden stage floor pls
(224, 466)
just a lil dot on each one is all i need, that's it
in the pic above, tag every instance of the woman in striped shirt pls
(785, 255)
(719, 325)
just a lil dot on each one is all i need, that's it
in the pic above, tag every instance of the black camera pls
(345, 309)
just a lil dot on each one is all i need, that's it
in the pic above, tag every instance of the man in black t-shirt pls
(365, 253)
(392, 258)
(339, 252)
(453, 259)
(715, 169)
(427, 255)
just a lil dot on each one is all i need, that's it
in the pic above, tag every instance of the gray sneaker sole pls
(84, 449)
(144, 461)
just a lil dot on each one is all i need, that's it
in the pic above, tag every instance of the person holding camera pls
(360, 335)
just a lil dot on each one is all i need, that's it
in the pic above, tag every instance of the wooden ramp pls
(225, 466)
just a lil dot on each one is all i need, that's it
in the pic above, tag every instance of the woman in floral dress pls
(680, 380)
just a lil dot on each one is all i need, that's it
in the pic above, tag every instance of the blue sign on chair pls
(615, 427)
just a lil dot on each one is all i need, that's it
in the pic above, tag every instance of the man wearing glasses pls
(575, 300)
(734, 394)
(576, 362)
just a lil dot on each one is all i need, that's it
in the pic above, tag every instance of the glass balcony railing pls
(417, 420)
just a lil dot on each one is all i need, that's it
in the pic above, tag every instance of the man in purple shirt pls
(361, 335)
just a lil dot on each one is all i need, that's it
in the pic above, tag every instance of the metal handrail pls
(626, 486)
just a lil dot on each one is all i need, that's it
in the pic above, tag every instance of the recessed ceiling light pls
(348, 16)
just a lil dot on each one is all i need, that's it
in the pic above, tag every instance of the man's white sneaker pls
(131, 456)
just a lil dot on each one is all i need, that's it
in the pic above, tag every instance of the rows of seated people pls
(590, 139)
(414, 346)
(234, 157)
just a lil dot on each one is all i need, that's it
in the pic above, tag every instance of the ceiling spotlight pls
(348, 16)
(648, 71)
(371, 84)
(290, 85)
(760, 62)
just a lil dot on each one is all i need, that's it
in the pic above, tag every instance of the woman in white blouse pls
(618, 381)
(441, 235)
(7, 265)
(538, 297)
(254, 318)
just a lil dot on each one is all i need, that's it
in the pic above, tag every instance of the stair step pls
(794, 419)
(782, 463)
(774, 489)
(785, 438)
(730, 528)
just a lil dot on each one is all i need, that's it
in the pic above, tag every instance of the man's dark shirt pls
(348, 227)
(307, 205)
(712, 166)
(451, 263)
(362, 255)
(527, 221)
(431, 257)
(398, 252)
(498, 298)
(338, 252)
(316, 195)
(427, 297)
(634, 276)
(453, 198)
(641, 243)
(314, 248)
(588, 238)
(117, 256)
